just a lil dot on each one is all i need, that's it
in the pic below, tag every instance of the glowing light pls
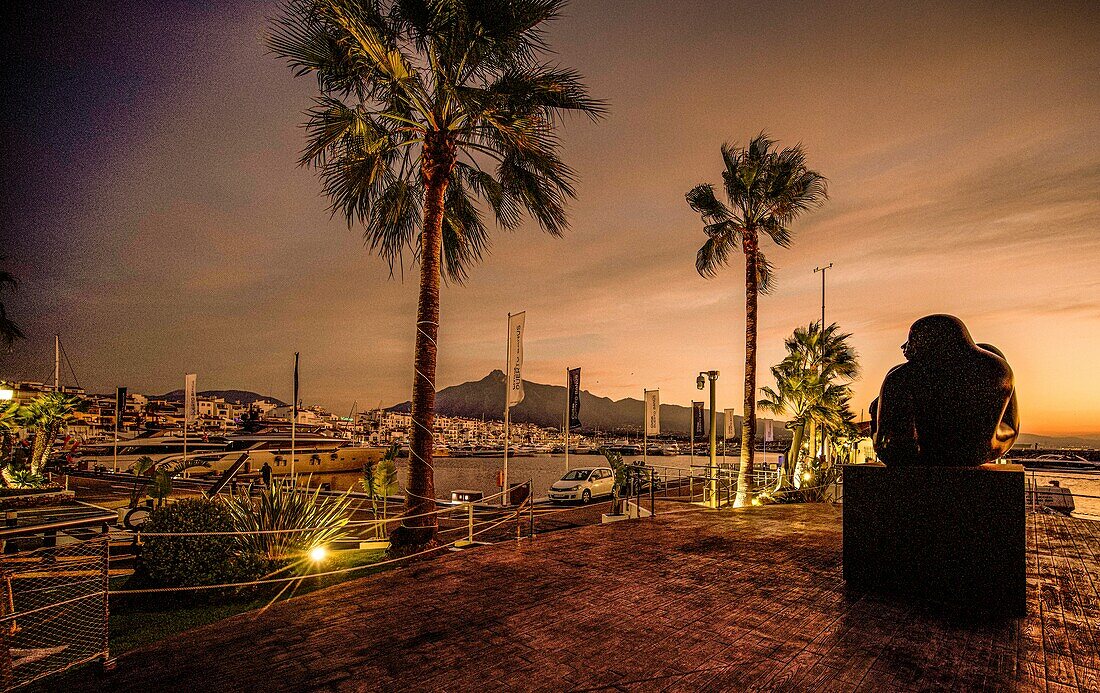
(318, 554)
(6, 394)
(757, 501)
(807, 476)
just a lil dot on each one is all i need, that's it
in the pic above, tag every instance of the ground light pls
(318, 554)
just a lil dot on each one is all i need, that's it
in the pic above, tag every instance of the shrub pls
(194, 560)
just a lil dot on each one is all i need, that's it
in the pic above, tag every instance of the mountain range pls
(544, 405)
(242, 397)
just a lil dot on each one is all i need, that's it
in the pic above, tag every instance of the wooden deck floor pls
(697, 600)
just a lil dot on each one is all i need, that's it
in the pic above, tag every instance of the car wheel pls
(586, 497)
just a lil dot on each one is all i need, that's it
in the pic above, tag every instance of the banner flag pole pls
(513, 384)
(565, 422)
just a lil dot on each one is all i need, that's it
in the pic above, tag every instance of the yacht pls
(313, 452)
(1061, 462)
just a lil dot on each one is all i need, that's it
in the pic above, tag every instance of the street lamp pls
(700, 383)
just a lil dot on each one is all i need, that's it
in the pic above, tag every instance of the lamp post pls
(701, 382)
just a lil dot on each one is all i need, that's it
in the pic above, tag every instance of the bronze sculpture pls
(952, 404)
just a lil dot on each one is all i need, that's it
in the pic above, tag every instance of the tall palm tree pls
(47, 416)
(426, 109)
(767, 188)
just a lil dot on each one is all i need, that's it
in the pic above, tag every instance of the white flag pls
(769, 430)
(731, 424)
(514, 377)
(190, 402)
(652, 412)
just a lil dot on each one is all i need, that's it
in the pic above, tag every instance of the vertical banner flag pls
(295, 406)
(190, 402)
(653, 412)
(769, 430)
(697, 427)
(514, 376)
(120, 405)
(732, 429)
(574, 398)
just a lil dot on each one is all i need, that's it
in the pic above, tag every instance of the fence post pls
(470, 525)
(107, 664)
(652, 492)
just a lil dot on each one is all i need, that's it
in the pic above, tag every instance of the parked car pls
(583, 485)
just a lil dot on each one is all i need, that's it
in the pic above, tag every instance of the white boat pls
(1059, 461)
(312, 452)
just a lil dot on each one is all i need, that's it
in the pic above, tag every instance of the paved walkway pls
(692, 601)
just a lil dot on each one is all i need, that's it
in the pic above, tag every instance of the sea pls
(480, 474)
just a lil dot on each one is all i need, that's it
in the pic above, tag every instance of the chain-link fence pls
(53, 610)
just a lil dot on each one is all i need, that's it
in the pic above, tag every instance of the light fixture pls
(6, 393)
(701, 381)
(318, 554)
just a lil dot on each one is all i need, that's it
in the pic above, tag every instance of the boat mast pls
(57, 363)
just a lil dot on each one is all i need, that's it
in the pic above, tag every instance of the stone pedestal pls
(955, 535)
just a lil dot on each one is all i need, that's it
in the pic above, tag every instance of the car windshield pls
(576, 475)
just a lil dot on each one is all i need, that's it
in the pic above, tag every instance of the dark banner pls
(697, 427)
(574, 398)
(120, 405)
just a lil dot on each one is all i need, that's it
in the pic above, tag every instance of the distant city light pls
(318, 554)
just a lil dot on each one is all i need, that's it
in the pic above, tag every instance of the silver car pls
(583, 485)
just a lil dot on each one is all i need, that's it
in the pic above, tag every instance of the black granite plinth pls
(955, 535)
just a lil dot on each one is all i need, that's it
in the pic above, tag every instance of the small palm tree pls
(812, 389)
(768, 188)
(379, 481)
(424, 109)
(9, 421)
(47, 416)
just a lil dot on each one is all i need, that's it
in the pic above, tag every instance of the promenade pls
(692, 600)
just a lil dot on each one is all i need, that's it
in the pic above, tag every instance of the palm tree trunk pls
(791, 463)
(748, 426)
(418, 532)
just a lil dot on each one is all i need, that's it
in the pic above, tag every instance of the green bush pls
(194, 560)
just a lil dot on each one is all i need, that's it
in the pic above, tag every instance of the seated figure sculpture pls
(952, 404)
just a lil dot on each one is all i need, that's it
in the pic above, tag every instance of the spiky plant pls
(767, 188)
(428, 114)
(297, 520)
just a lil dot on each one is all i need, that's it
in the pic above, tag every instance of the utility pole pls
(57, 363)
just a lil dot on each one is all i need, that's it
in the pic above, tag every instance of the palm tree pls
(9, 331)
(426, 108)
(9, 420)
(767, 188)
(812, 389)
(47, 415)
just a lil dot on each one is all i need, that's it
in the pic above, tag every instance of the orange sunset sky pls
(157, 220)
